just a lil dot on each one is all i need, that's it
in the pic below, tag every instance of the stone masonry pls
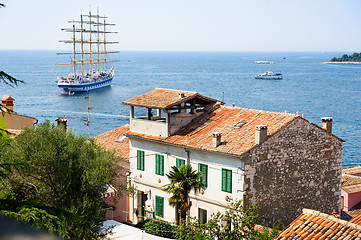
(297, 167)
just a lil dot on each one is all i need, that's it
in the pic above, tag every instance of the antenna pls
(87, 121)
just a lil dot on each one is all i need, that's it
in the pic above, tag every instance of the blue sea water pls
(316, 90)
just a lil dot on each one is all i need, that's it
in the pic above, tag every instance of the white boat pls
(89, 51)
(269, 75)
(264, 62)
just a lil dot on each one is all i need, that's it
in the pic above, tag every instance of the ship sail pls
(89, 42)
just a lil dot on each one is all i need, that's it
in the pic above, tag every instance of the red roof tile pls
(235, 140)
(356, 220)
(162, 98)
(315, 225)
(352, 184)
(111, 141)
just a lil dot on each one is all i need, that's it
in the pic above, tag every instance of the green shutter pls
(226, 180)
(162, 165)
(179, 162)
(140, 160)
(159, 206)
(204, 169)
(159, 164)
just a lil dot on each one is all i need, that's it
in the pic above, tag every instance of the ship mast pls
(105, 49)
(98, 43)
(90, 42)
(74, 62)
(88, 24)
(82, 44)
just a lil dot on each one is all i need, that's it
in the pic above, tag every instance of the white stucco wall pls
(213, 199)
(155, 128)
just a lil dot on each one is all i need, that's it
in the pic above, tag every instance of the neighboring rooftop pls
(236, 125)
(162, 98)
(352, 184)
(352, 170)
(316, 225)
(115, 140)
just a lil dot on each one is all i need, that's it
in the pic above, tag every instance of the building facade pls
(279, 160)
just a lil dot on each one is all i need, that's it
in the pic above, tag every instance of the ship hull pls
(83, 87)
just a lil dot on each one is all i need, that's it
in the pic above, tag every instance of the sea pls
(309, 88)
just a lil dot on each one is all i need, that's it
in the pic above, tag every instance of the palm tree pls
(182, 181)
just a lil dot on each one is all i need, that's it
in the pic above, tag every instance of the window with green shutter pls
(159, 164)
(180, 162)
(159, 206)
(226, 180)
(204, 169)
(140, 160)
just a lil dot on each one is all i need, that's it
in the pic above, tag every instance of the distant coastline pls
(340, 62)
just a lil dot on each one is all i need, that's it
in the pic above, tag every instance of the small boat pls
(89, 51)
(264, 62)
(269, 75)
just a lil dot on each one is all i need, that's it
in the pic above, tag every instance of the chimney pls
(181, 95)
(216, 139)
(261, 134)
(327, 124)
(63, 121)
(8, 102)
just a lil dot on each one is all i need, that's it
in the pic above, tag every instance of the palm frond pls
(9, 80)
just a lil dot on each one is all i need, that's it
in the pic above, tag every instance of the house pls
(115, 140)
(14, 122)
(313, 224)
(279, 160)
(351, 190)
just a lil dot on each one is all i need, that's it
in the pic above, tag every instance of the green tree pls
(182, 181)
(237, 222)
(58, 169)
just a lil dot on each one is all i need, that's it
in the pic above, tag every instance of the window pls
(204, 169)
(159, 206)
(202, 216)
(159, 164)
(179, 162)
(140, 160)
(226, 180)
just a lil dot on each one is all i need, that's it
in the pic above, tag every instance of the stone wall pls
(298, 167)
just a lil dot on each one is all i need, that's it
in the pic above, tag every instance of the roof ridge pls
(263, 111)
(331, 218)
(349, 175)
(175, 90)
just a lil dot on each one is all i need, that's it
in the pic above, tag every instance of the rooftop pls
(352, 184)
(316, 225)
(162, 98)
(7, 98)
(236, 125)
(352, 170)
(115, 140)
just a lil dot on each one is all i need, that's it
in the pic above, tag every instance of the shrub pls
(159, 228)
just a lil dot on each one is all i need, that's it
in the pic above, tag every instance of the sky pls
(191, 25)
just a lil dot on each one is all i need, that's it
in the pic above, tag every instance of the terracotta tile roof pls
(6, 98)
(355, 210)
(356, 219)
(235, 140)
(162, 98)
(316, 225)
(110, 140)
(352, 170)
(352, 184)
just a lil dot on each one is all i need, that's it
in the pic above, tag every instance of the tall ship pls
(89, 56)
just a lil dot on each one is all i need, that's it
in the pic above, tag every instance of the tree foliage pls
(237, 222)
(55, 169)
(159, 228)
(355, 57)
(182, 181)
